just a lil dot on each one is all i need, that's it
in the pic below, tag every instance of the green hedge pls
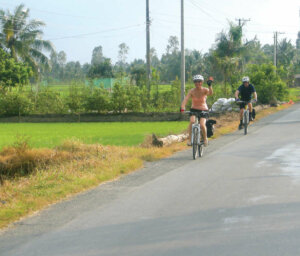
(130, 98)
(83, 99)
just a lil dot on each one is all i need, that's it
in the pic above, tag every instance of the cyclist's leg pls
(250, 111)
(241, 112)
(250, 106)
(203, 130)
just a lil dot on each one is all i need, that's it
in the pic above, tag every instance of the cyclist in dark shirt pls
(245, 91)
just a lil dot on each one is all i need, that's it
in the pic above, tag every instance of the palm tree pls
(229, 52)
(230, 44)
(22, 38)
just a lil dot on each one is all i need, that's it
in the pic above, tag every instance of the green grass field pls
(64, 89)
(53, 134)
(294, 94)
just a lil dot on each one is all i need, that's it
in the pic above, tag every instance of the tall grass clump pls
(20, 159)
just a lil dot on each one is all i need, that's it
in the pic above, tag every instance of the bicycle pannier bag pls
(210, 127)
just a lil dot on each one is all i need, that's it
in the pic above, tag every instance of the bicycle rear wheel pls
(195, 142)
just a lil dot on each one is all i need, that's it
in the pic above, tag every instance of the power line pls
(94, 33)
(199, 25)
(214, 9)
(159, 15)
(268, 32)
(205, 12)
(81, 35)
(277, 25)
(162, 22)
(173, 15)
(57, 14)
(40, 32)
(189, 24)
(125, 34)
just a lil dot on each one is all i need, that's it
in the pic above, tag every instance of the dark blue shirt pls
(246, 92)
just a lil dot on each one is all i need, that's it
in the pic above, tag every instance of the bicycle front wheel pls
(200, 150)
(200, 146)
(195, 142)
(246, 118)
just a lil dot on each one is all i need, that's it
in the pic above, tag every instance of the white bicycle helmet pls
(246, 79)
(198, 78)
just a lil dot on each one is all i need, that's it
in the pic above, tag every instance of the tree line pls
(24, 60)
(228, 60)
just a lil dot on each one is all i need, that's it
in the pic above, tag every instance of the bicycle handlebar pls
(191, 112)
(245, 102)
(202, 114)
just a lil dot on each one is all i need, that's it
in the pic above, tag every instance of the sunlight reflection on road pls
(287, 159)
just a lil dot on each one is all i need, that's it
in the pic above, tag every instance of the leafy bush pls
(75, 100)
(168, 100)
(49, 102)
(268, 85)
(97, 99)
(138, 74)
(159, 101)
(144, 98)
(119, 98)
(15, 104)
(133, 98)
(13, 73)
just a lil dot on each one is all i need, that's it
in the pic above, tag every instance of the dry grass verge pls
(55, 174)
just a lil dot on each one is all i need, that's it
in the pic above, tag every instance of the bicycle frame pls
(196, 131)
(245, 115)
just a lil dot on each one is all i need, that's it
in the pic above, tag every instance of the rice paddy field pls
(50, 135)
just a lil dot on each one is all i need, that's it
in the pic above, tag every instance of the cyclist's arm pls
(237, 92)
(255, 95)
(187, 97)
(210, 90)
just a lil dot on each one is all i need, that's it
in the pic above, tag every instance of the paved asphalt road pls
(242, 198)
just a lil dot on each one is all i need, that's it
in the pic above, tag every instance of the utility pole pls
(275, 46)
(148, 46)
(182, 53)
(240, 20)
(275, 49)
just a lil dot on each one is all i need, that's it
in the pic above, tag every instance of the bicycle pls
(197, 136)
(245, 115)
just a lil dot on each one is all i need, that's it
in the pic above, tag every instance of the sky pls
(77, 26)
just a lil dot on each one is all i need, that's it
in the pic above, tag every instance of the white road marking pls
(235, 220)
(258, 198)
